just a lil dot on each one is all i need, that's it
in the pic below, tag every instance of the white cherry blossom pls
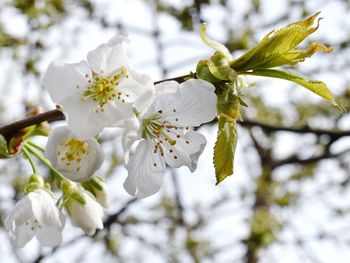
(76, 159)
(86, 216)
(165, 136)
(98, 93)
(35, 215)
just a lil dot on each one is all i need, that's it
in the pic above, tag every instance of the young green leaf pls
(317, 87)
(224, 149)
(277, 48)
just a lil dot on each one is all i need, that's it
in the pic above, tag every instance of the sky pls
(181, 51)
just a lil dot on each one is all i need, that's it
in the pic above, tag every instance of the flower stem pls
(36, 146)
(29, 158)
(37, 154)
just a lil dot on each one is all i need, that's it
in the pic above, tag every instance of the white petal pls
(56, 137)
(102, 196)
(118, 39)
(20, 214)
(49, 236)
(89, 216)
(116, 114)
(44, 209)
(20, 232)
(80, 117)
(139, 87)
(86, 123)
(169, 87)
(132, 132)
(107, 58)
(145, 171)
(186, 151)
(193, 103)
(21, 236)
(61, 79)
(88, 164)
(91, 163)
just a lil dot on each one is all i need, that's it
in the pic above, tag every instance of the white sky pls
(308, 219)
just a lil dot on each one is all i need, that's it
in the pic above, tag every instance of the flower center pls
(33, 224)
(72, 151)
(163, 133)
(154, 128)
(104, 89)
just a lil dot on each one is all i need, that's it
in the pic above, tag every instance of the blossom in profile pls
(100, 92)
(74, 158)
(165, 136)
(86, 214)
(35, 215)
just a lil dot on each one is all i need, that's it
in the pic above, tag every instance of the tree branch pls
(268, 127)
(8, 131)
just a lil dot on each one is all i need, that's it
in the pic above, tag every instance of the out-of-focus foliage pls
(292, 170)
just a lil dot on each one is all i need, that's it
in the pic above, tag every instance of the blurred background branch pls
(287, 201)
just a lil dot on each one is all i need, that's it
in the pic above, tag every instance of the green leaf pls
(224, 149)
(317, 87)
(277, 48)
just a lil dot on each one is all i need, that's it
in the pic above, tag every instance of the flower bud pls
(97, 187)
(76, 159)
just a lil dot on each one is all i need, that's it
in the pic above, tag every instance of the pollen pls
(103, 89)
(71, 151)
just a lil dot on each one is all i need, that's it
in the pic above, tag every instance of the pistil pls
(104, 89)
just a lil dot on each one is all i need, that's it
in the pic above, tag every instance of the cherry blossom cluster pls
(105, 91)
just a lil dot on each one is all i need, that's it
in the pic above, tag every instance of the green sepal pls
(15, 143)
(224, 149)
(95, 183)
(71, 192)
(4, 150)
(35, 182)
(77, 196)
(277, 48)
(203, 72)
(32, 187)
(219, 66)
(317, 87)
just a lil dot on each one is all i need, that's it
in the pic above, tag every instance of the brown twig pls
(54, 115)
(9, 130)
(268, 127)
